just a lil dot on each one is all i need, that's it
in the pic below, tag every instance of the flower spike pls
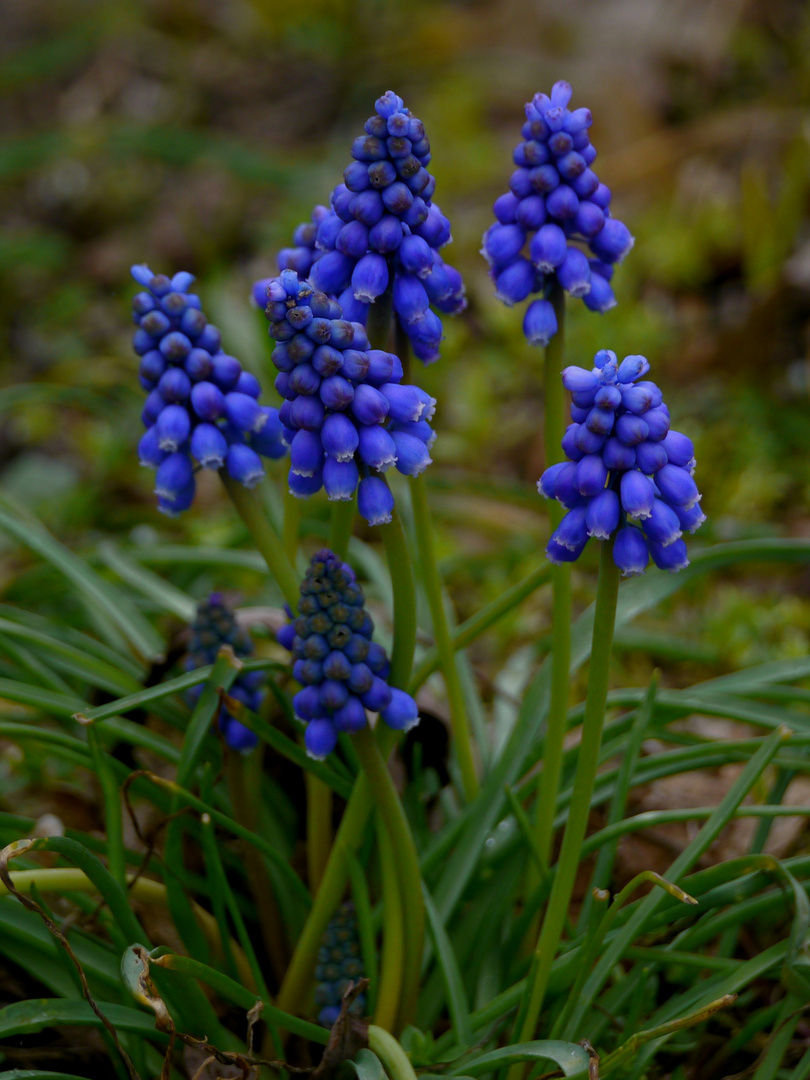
(342, 671)
(200, 402)
(554, 222)
(627, 475)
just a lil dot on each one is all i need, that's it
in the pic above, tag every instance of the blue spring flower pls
(200, 402)
(555, 219)
(383, 229)
(346, 414)
(342, 671)
(339, 964)
(627, 473)
(215, 625)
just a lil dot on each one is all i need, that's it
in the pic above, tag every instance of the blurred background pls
(195, 134)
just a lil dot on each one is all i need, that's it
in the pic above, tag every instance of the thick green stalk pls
(292, 521)
(404, 589)
(319, 829)
(264, 536)
(587, 764)
(292, 996)
(293, 993)
(407, 862)
(441, 631)
(392, 961)
(395, 1061)
(340, 530)
(554, 427)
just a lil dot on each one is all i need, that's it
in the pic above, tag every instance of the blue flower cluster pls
(339, 963)
(626, 470)
(345, 411)
(200, 402)
(214, 626)
(384, 230)
(342, 671)
(555, 197)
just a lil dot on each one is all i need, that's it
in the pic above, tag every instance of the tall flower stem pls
(292, 521)
(393, 948)
(264, 536)
(587, 763)
(407, 865)
(340, 530)
(319, 828)
(441, 632)
(403, 586)
(554, 427)
(298, 978)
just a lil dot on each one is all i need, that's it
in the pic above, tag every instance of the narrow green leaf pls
(569, 1057)
(368, 1066)
(117, 607)
(26, 1017)
(165, 595)
(453, 981)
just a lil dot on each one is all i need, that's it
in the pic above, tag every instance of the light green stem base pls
(441, 632)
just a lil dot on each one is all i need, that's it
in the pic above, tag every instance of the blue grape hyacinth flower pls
(627, 475)
(346, 415)
(383, 230)
(343, 672)
(339, 964)
(215, 625)
(555, 220)
(201, 404)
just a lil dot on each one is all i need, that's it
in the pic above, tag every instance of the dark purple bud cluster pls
(555, 198)
(200, 403)
(346, 414)
(214, 626)
(339, 963)
(342, 671)
(383, 230)
(626, 470)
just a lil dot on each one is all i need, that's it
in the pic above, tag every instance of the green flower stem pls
(587, 763)
(292, 522)
(404, 589)
(293, 995)
(319, 829)
(554, 425)
(244, 774)
(264, 536)
(394, 1059)
(465, 633)
(407, 863)
(341, 527)
(441, 632)
(392, 962)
